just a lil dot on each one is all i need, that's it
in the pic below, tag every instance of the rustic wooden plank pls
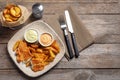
(95, 22)
(11, 1)
(96, 56)
(58, 8)
(5, 58)
(64, 1)
(108, 38)
(80, 1)
(65, 74)
(99, 19)
(83, 8)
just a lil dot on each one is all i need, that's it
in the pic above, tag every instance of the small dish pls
(46, 39)
(31, 35)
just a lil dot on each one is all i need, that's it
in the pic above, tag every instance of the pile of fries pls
(12, 13)
(34, 55)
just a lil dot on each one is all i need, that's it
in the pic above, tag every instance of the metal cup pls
(37, 10)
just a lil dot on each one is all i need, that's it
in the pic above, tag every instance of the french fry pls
(35, 61)
(52, 54)
(46, 52)
(16, 45)
(54, 50)
(46, 57)
(37, 67)
(46, 63)
(39, 50)
(19, 59)
(51, 48)
(35, 56)
(56, 46)
(32, 49)
(50, 59)
(34, 45)
(28, 63)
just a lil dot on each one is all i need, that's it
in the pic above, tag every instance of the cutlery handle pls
(75, 45)
(68, 45)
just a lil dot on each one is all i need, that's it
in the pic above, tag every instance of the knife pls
(70, 28)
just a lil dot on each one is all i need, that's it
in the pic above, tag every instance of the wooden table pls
(100, 61)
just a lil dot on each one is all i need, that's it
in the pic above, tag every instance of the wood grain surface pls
(100, 61)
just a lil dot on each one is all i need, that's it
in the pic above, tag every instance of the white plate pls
(41, 27)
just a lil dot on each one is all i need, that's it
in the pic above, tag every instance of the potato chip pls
(12, 13)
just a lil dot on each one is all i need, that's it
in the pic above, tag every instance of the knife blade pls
(70, 28)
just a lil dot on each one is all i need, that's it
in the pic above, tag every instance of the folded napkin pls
(82, 35)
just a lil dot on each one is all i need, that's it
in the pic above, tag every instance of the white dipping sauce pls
(31, 35)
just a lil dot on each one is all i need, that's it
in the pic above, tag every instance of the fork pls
(63, 27)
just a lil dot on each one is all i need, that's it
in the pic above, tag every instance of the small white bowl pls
(44, 39)
(31, 35)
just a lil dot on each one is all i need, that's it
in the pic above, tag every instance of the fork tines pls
(62, 22)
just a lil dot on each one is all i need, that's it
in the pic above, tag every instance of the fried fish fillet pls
(23, 52)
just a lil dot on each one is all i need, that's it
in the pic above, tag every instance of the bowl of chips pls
(13, 15)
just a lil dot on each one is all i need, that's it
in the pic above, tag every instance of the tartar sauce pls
(31, 35)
